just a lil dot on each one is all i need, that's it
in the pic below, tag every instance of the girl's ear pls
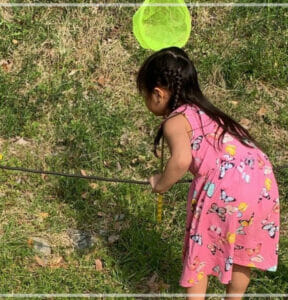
(159, 94)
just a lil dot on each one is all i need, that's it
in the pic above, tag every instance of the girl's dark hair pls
(171, 68)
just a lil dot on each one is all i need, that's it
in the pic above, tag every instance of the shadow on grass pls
(143, 249)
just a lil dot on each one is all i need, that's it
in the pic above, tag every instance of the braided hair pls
(172, 68)
(173, 76)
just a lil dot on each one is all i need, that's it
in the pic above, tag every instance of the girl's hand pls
(154, 181)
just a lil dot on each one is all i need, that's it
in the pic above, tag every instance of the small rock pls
(80, 239)
(41, 245)
(119, 217)
(113, 238)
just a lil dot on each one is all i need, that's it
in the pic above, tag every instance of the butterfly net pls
(157, 27)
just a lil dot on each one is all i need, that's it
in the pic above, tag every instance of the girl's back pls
(233, 204)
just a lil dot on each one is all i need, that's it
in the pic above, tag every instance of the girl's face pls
(157, 103)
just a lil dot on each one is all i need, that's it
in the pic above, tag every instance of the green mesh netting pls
(157, 27)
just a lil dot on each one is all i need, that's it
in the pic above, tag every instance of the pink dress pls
(232, 206)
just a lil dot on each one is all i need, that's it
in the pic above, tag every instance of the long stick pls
(160, 196)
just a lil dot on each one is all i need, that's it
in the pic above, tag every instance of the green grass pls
(52, 99)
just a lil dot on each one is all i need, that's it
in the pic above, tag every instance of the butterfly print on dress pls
(226, 198)
(220, 211)
(217, 270)
(228, 263)
(224, 167)
(264, 194)
(197, 238)
(271, 229)
(241, 168)
(196, 143)
(196, 264)
(213, 248)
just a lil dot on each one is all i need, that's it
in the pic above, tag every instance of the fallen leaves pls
(98, 264)
(43, 215)
(44, 176)
(73, 72)
(83, 172)
(156, 285)
(262, 111)
(21, 141)
(102, 81)
(246, 123)
(235, 103)
(6, 65)
(93, 185)
(101, 214)
(54, 262)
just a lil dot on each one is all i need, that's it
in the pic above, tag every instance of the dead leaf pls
(101, 80)
(6, 65)
(83, 172)
(246, 123)
(41, 262)
(84, 195)
(30, 242)
(43, 215)
(262, 111)
(56, 262)
(119, 168)
(235, 103)
(72, 72)
(22, 142)
(152, 284)
(44, 176)
(101, 214)
(93, 185)
(98, 264)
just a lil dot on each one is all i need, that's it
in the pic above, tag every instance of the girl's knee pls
(240, 279)
(199, 288)
(242, 271)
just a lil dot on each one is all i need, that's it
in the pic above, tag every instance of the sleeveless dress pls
(232, 206)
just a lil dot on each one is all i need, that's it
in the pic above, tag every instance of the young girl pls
(233, 203)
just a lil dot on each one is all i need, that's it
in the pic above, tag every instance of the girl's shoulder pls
(186, 108)
(181, 117)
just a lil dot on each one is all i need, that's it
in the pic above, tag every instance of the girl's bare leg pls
(199, 288)
(239, 283)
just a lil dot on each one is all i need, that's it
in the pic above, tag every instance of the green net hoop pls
(157, 27)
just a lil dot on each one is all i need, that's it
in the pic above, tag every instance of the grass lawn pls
(68, 102)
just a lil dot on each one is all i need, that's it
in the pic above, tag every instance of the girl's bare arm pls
(175, 132)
